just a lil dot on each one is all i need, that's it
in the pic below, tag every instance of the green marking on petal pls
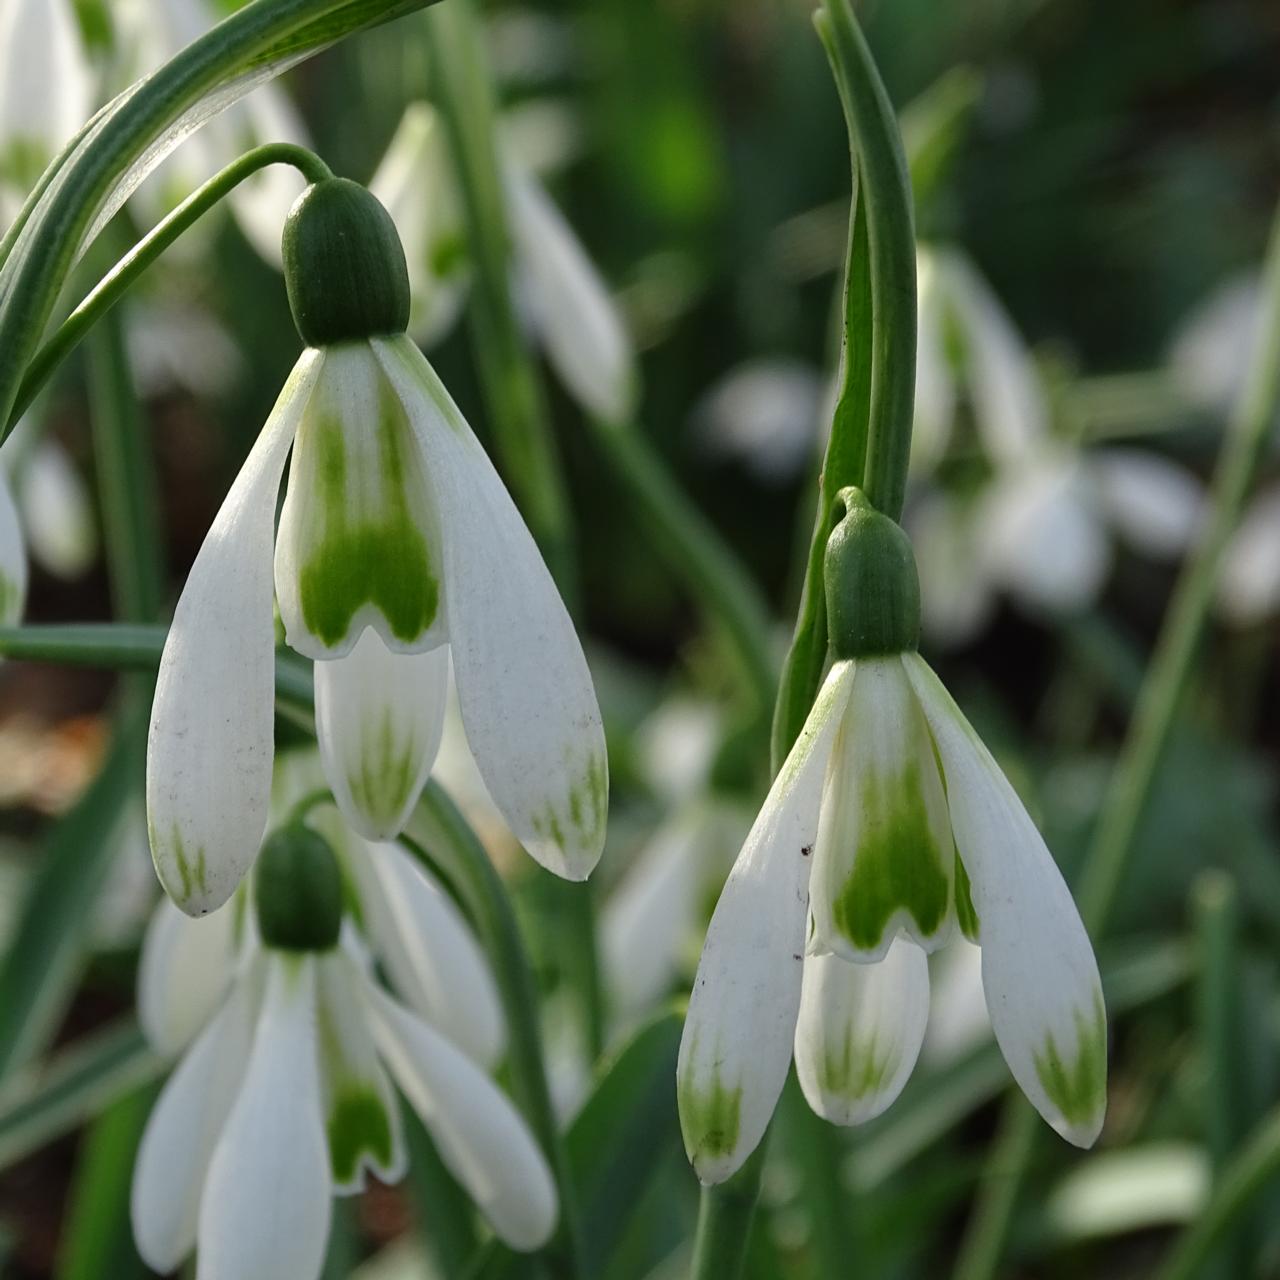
(192, 869)
(585, 811)
(966, 912)
(382, 560)
(854, 1068)
(1078, 1088)
(898, 866)
(358, 1126)
(710, 1118)
(382, 777)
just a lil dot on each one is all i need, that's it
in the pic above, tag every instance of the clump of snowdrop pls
(1038, 524)
(284, 1096)
(399, 553)
(568, 305)
(888, 829)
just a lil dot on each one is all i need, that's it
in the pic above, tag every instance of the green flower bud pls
(344, 266)
(298, 891)
(873, 590)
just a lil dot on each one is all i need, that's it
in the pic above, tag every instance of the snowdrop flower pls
(1040, 525)
(150, 33)
(1213, 349)
(398, 550)
(569, 305)
(1249, 580)
(888, 828)
(46, 92)
(284, 1096)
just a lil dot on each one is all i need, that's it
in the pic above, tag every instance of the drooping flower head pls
(888, 828)
(284, 1095)
(399, 556)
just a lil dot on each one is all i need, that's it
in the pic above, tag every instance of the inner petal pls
(884, 861)
(359, 540)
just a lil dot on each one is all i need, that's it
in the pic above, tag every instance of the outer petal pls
(183, 974)
(266, 1204)
(379, 719)
(1038, 969)
(738, 1032)
(169, 1173)
(1155, 504)
(574, 313)
(359, 543)
(13, 560)
(212, 722)
(362, 1114)
(481, 1136)
(526, 695)
(860, 1031)
(430, 954)
(884, 859)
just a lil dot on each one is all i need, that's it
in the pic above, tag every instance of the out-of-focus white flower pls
(284, 1095)
(958, 1018)
(569, 305)
(1213, 348)
(47, 90)
(1249, 581)
(149, 33)
(57, 511)
(175, 345)
(13, 559)
(767, 413)
(1040, 526)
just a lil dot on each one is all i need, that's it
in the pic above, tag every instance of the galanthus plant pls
(283, 1097)
(889, 827)
(399, 556)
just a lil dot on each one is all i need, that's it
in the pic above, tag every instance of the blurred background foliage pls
(1114, 166)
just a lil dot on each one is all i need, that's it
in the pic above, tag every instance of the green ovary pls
(898, 866)
(383, 775)
(382, 560)
(358, 1126)
(710, 1118)
(1077, 1088)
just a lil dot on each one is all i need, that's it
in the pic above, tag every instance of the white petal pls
(935, 384)
(184, 1126)
(526, 694)
(480, 1135)
(359, 543)
(267, 1201)
(1038, 968)
(1009, 405)
(884, 858)
(379, 718)
(1156, 505)
(212, 722)
(1249, 581)
(736, 1045)
(13, 560)
(574, 313)
(1213, 349)
(957, 586)
(430, 953)
(860, 1031)
(362, 1114)
(958, 1018)
(183, 974)
(56, 511)
(1045, 537)
(416, 184)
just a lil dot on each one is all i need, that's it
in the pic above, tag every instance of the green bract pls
(298, 891)
(873, 591)
(344, 266)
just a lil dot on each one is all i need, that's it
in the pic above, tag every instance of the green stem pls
(509, 376)
(440, 835)
(113, 286)
(713, 575)
(725, 1216)
(1155, 715)
(886, 199)
(263, 34)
